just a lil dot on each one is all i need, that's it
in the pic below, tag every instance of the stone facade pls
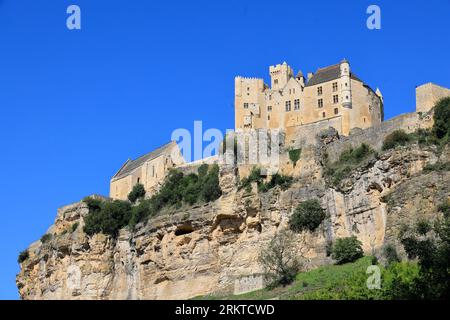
(333, 92)
(428, 94)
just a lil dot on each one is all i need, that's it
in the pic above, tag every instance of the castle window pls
(336, 110)
(245, 105)
(364, 119)
(319, 91)
(139, 180)
(335, 86)
(275, 81)
(296, 104)
(320, 103)
(288, 106)
(293, 90)
(336, 99)
(269, 108)
(323, 115)
(290, 91)
(268, 117)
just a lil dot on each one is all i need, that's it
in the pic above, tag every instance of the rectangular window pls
(335, 87)
(269, 108)
(320, 103)
(323, 115)
(335, 99)
(288, 106)
(319, 91)
(336, 110)
(297, 104)
(245, 105)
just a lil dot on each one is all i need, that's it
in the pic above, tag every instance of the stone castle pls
(300, 108)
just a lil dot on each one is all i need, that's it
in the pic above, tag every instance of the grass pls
(346, 281)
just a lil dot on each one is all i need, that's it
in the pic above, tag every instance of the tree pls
(307, 216)
(441, 126)
(347, 250)
(279, 259)
(138, 192)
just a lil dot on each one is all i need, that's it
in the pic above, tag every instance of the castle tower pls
(280, 75)
(346, 85)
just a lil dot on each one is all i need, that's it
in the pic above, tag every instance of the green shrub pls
(347, 250)
(113, 216)
(138, 192)
(307, 216)
(441, 126)
(75, 226)
(279, 260)
(46, 237)
(23, 255)
(390, 254)
(438, 166)
(275, 180)
(93, 204)
(423, 227)
(445, 209)
(348, 160)
(396, 138)
(294, 155)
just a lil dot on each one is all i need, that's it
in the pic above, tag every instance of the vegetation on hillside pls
(279, 260)
(23, 255)
(138, 192)
(307, 216)
(109, 217)
(348, 160)
(255, 177)
(294, 155)
(347, 250)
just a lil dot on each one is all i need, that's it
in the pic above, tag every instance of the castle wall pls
(428, 94)
(374, 136)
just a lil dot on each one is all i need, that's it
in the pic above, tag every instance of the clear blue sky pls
(76, 104)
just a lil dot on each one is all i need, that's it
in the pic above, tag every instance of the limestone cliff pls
(214, 247)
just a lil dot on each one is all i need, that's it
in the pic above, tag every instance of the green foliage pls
(279, 260)
(432, 251)
(390, 254)
(138, 192)
(46, 238)
(423, 227)
(275, 180)
(438, 166)
(441, 126)
(294, 155)
(396, 138)
(108, 218)
(75, 226)
(307, 216)
(348, 160)
(347, 250)
(23, 255)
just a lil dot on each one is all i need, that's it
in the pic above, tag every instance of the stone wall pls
(374, 136)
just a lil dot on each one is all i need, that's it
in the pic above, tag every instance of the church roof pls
(328, 74)
(131, 165)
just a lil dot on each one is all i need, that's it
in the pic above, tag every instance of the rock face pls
(211, 248)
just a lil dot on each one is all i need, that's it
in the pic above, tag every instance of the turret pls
(346, 86)
(280, 75)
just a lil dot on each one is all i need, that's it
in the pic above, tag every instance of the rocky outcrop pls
(205, 249)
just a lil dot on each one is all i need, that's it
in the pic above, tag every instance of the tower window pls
(335, 86)
(245, 105)
(296, 104)
(335, 99)
(293, 90)
(139, 179)
(269, 108)
(288, 106)
(275, 81)
(336, 110)
(320, 103)
(323, 115)
(268, 117)
(319, 91)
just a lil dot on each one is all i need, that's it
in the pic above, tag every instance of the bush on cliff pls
(307, 216)
(46, 238)
(23, 255)
(109, 218)
(396, 138)
(275, 180)
(138, 192)
(347, 250)
(441, 126)
(348, 160)
(279, 259)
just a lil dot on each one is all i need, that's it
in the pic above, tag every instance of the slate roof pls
(131, 165)
(328, 74)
